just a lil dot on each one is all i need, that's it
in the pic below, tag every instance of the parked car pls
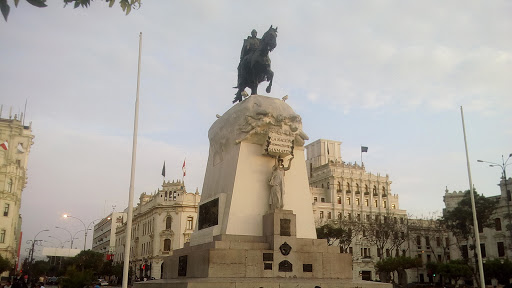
(52, 280)
(103, 282)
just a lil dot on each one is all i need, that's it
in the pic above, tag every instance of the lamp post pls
(31, 253)
(60, 241)
(503, 167)
(71, 236)
(86, 228)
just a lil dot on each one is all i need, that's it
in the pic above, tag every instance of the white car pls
(103, 282)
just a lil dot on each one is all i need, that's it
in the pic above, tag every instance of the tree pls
(497, 269)
(384, 230)
(76, 279)
(398, 264)
(459, 220)
(341, 232)
(89, 260)
(5, 265)
(126, 5)
(455, 270)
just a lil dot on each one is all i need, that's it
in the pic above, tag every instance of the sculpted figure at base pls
(277, 183)
(254, 66)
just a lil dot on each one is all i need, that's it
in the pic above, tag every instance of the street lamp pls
(86, 228)
(71, 236)
(503, 167)
(57, 239)
(31, 252)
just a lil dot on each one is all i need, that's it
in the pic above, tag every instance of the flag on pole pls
(5, 145)
(364, 149)
(184, 168)
(163, 170)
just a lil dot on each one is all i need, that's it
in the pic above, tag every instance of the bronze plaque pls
(285, 266)
(209, 214)
(285, 249)
(284, 229)
(268, 256)
(267, 266)
(182, 266)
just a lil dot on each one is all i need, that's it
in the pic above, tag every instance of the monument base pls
(260, 283)
(276, 259)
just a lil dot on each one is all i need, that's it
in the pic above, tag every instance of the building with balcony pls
(16, 139)
(346, 194)
(162, 222)
(104, 236)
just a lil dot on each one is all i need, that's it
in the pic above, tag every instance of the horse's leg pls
(270, 77)
(238, 95)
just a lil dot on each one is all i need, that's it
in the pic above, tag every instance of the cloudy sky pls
(388, 75)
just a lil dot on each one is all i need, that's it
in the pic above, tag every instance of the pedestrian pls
(7, 284)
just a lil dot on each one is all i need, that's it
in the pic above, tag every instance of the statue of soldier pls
(250, 45)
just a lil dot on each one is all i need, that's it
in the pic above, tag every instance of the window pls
(427, 241)
(9, 186)
(350, 250)
(339, 215)
(315, 199)
(501, 248)
(388, 254)
(383, 190)
(357, 201)
(429, 258)
(168, 223)
(378, 252)
(348, 187)
(190, 223)
(328, 185)
(2, 236)
(368, 217)
(464, 250)
(339, 200)
(366, 188)
(6, 209)
(366, 202)
(402, 235)
(438, 241)
(357, 187)
(339, 186)
(376, 203)
(384, 204)
(328, 215)
(349, 216)
(482, 250)
(322, 200)
(358, 217)
(418, 240)
(393, 206)
(321, 214)
(348, 200)
(401, 220)
(497, 224)
(167, 245)
(403, 252)
(439, 258)
(447, 240)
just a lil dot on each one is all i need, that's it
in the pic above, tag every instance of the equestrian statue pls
(254, 66)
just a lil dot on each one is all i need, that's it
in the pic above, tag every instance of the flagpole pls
(128, 230)
(475, 221)
(361, 154)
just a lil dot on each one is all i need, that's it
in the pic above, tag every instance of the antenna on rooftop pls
(25, 112)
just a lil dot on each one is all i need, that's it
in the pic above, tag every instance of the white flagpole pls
(475, 221)
(132, 178)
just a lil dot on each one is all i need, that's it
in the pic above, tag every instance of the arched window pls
(167, 245)
(168, 223)
(339, 186)
(348, 187)
(357, 187)
(383, 190)
(374, 189)
(366, 188)
(9, 185)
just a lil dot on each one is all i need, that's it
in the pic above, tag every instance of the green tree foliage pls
(460, 219)
(331, 233)
(497, 269)
(397, 264)
(76, 279)
(126, 5)
(454, 270)
(40, 268)
(89, 260)
(5, 264)
(340, 232)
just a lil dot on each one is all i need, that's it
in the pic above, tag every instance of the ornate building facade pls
(346, 194)
(162, 222)
(16, 140)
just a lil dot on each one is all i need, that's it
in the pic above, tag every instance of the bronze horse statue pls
(255, 67)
